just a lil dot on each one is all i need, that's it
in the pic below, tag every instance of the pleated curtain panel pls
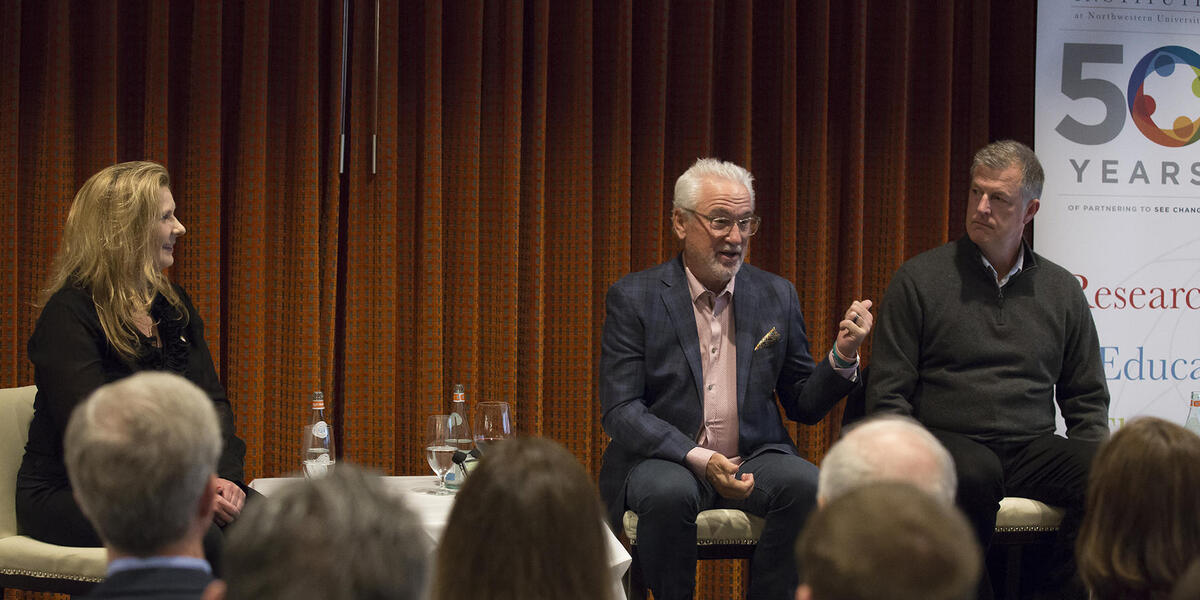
(387, 198)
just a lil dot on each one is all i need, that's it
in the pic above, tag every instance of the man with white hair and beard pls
(689, 374)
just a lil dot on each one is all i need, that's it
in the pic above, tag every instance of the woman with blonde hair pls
(526, 525)
(1140, 532)
(109, 311)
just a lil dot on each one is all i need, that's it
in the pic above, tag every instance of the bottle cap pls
(318, 401)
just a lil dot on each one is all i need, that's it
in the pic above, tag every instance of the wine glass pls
(438, 450)
(493, 423)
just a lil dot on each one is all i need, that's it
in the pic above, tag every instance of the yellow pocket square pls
(767, 340)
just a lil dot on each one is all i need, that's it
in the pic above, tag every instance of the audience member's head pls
(889, 448)
(340, 537)
(527, 524)
(887, 540)
(141, 454)
(1140, 531)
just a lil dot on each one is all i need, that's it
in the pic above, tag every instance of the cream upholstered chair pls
(732, 534)
(1021, 521)
(722, 533)
(26, 563)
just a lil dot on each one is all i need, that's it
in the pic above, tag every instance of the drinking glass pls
(438, 450)
(493, 423)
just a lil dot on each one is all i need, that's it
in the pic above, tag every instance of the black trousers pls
(1050, 468)
(48, 512)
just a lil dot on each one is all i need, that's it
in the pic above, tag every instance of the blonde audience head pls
(527, 525)
(1140, 532)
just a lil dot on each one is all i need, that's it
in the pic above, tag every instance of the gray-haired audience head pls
(687, 187)
(887, 448)
(340, 537)
(141, 453)
(887, 540)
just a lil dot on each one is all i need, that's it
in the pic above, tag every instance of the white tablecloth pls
(433, 511)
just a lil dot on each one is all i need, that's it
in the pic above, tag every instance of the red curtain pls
(506, 161)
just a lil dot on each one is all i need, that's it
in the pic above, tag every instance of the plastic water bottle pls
(1193, 419)
(460, 435)
(319, 456)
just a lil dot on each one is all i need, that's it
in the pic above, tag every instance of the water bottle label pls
(1195, 398)
(455, 477)
(318, 467)
(320, 430)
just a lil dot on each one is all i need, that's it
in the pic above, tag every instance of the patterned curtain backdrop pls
(506, 161)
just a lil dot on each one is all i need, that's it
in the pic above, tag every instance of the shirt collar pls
(130, 563)
(697, 289)
(1016, 268)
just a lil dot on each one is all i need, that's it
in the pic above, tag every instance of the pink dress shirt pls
(718, 359)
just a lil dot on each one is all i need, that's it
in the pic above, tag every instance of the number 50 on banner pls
(1160, 62)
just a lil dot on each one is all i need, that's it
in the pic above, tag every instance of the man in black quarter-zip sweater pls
(978, 338)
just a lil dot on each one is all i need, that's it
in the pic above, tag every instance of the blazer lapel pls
(677, 298)
(745, 313)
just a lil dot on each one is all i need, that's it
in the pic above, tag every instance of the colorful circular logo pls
(1161, 62)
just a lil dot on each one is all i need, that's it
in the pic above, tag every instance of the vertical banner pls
(1116, 126)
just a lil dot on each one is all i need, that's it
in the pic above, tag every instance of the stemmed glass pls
(493, 423)
(439, 451)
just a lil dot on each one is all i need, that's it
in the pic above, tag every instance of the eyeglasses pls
(721, 225)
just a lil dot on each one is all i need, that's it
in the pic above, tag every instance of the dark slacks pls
(1051, 469)
(667, 496)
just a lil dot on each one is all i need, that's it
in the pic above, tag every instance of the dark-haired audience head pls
(527, 524)
(887, 448)
(141, 454)
(1140, 531)
(340, 537)
(887, 540)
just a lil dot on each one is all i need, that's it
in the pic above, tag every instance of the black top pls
(962, 354)
(72, 357)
